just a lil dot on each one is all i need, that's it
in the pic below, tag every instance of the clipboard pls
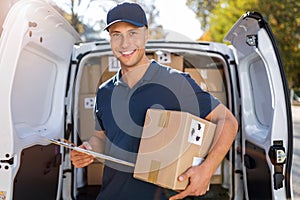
(97, 155)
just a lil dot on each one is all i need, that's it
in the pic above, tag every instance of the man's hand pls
(199, 180)
(79, 159)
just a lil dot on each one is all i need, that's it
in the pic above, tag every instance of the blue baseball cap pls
(129, 12)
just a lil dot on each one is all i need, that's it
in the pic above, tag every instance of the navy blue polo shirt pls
(121, 110)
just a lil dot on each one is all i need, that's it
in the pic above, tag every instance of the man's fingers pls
(69, 142)
(80, 159)
(193, 189)
(181, 195)
(185, 176)
(82, 162)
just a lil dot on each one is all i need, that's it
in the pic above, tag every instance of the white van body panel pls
(35, 51)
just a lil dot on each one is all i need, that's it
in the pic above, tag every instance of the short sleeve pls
(97, 124)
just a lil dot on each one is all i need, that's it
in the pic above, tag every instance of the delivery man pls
(122, 102)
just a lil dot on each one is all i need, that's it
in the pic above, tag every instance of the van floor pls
(216, 192)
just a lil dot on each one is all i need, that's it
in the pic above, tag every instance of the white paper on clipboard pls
(97, 155)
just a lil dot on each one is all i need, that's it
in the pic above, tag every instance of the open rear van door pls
(266, 123)
(35, 49)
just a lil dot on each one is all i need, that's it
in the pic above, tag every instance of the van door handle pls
(278, 158)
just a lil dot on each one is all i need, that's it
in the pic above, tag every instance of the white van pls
(48, 84)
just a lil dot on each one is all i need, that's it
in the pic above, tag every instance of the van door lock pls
(278, 158)
(8, 161)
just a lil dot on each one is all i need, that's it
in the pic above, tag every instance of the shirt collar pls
(148, 76)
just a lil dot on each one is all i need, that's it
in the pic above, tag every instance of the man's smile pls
(127, 53)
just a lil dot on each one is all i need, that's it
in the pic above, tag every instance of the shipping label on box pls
(172, 142)
(196, 132)
(169, 59)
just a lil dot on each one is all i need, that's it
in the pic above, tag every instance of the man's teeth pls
(127, 52)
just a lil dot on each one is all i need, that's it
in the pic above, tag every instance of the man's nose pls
(125, 41)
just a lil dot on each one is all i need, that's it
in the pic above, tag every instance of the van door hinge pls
(278, 158)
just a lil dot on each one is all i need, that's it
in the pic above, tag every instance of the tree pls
(283, 17)
(203, 9)
(75, 11)
(225, 14)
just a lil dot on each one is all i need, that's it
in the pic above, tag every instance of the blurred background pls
(202, 20)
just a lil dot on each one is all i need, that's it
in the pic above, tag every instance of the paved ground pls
(296, 156)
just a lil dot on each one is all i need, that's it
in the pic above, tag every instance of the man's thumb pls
(87, 145)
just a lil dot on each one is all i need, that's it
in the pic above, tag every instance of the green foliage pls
(283, 17)
(202, 9)
(226, 14)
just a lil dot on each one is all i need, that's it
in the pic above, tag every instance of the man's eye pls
(132, 33)
(116, 35)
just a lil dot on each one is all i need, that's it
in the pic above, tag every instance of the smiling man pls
(122, 102)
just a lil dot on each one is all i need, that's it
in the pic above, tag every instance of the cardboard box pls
(86, 116)
(171, 142)
(106, 75)
(169, 59)
(95, 173)
(90, 79)
(211, 80)
(110, 66)
(196, 75)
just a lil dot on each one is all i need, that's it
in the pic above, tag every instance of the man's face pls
(128, 43)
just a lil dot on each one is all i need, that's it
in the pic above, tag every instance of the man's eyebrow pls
(133, 29)
(116, 31)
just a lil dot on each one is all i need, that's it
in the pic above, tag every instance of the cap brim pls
(124, 20)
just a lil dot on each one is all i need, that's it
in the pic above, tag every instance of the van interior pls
(207, 69)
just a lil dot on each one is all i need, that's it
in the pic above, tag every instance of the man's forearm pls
(97, 141)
